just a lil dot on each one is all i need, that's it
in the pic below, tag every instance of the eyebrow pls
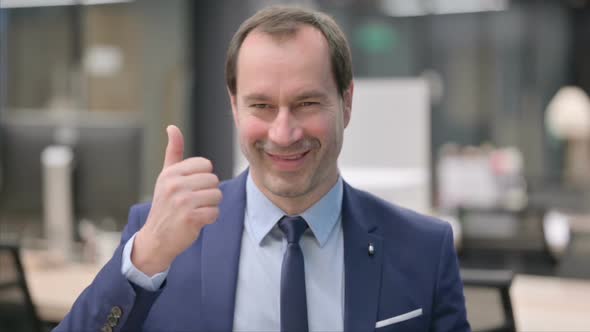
(255, 97)
(311, 94)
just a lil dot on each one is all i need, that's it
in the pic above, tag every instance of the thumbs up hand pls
(186, 198)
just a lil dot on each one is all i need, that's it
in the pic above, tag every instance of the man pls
(290, 246)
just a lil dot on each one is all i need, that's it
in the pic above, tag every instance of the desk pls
(550, 304)
(54, 288)
(539, 303)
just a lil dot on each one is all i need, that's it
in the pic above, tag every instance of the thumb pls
(175, 147)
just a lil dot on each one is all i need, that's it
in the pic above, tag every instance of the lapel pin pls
(371, 249)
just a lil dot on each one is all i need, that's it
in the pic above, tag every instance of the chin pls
(289, 188)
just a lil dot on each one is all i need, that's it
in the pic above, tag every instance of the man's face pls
(288, 112)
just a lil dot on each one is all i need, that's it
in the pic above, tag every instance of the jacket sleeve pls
(111, 302)
(449, 313)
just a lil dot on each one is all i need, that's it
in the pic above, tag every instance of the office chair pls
(17, 312)
(487, 297)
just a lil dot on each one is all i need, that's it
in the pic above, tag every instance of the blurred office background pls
(475, 111)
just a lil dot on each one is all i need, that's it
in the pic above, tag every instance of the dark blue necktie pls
(293, 297)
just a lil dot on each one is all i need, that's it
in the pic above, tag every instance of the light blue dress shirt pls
(257, 306)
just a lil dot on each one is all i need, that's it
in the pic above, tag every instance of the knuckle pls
(167, 189)
(200, 164)
(179, 201)
(211, 180)
(213, 213)
(171, 187)
(175, 202)
(188, 216)
(200, 200)
(207, 215)
(211, 196)
(206, 164)
(168, 171)
(218, 195)
(162, 179)
(163, 174)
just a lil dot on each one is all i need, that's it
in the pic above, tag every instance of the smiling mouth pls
(290, 157)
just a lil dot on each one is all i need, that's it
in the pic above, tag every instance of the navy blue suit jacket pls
(414, 266)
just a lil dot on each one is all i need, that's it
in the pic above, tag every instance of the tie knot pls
(293, 228)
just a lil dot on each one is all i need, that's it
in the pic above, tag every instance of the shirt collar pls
(262, 215)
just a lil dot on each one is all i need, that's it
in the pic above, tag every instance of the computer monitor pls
(107, 170)
(21, 144)
(107, 165)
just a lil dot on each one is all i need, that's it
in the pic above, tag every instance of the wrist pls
(146, 256)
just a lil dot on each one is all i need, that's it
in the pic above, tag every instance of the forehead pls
(284, 63)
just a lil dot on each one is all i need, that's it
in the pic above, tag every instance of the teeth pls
(292, 157)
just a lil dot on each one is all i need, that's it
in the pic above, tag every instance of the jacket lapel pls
(362, 271)
(220, 258)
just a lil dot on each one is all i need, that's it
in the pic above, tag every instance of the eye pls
(260, 106)
(309, 103)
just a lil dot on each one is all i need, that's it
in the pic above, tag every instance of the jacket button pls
(112, 321)
(116, 311)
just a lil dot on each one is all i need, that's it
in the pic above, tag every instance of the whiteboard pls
(386, 148)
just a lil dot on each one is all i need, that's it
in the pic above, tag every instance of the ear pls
(234, 106)
(347, 98)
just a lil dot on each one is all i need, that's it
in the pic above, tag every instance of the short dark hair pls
(283, 22)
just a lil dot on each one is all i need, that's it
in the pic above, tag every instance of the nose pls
(285, 129)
